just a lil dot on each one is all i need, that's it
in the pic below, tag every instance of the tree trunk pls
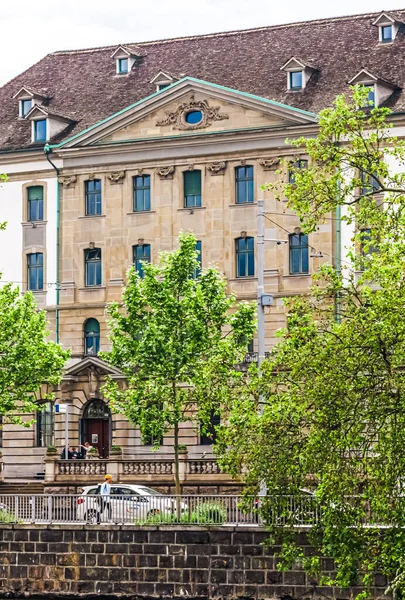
(176, 470)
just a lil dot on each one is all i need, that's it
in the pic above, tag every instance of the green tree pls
(333, 389)
(177, 339)
(27, 358)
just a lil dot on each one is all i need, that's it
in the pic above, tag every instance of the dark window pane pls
(35, 271)
(370, 95)
(93, 267)
(141, 254)
(36, 203)
(296, 80)
(197, 271)
(192, 189)
(193, 117)
(93, 196)
(386, 33)
(245, 257)
(209, 438)
(40, 130)
(26, 106)
(45, 426)
(91, 336)
(299, 253)
(123, 65)
(244, 184)
(141, 193)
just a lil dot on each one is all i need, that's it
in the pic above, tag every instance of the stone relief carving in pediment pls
(177, 118)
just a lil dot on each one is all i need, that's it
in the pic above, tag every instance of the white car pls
(126, 504)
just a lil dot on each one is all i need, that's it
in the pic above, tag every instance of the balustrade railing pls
(203, 467)
(82, 467)
(159, 509)
(147, 467)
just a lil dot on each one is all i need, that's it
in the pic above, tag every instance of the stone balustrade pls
(137, 470)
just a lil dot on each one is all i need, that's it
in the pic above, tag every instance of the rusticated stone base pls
(151, 562)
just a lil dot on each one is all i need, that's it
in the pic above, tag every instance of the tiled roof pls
(84, 83)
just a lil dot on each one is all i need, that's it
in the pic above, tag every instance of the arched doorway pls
(96, 426)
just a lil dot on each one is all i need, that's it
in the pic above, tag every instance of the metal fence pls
(158, 509)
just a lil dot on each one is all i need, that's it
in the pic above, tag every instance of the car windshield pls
(147, 490)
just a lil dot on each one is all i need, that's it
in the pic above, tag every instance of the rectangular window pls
(367, 248)
(369, 184)
(123, 65)
(26, 106)
(35, 203)
(245, 257)
(386, 33)
(206, 439)
(370, 96)
(45, 427)
(295, 80)
(298, 164)
(299, 253)
(141, 254)
(197, 271)
(40, 130)
(141, 193)
(244, 185)
(35, 264)
(92, 192)
(192, 189)
(92, 259)
(163, 86)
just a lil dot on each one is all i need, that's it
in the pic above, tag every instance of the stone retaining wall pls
(149, 562)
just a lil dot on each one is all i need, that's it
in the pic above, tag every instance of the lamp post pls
(263, 299)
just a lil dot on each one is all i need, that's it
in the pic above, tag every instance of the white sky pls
(29, 30)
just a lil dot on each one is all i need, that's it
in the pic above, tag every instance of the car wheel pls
(91, 517)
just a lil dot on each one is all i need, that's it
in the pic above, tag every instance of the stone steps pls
(24, 487)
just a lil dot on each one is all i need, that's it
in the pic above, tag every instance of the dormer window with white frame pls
(163, 80)
(125, 58)
(387, 28)
(379, 90)
(298, 74)
(26, 100)
(46, 124)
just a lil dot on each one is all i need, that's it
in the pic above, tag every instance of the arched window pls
(91, 336)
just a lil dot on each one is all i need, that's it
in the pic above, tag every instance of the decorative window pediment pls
(162, 80)
(379, 89)
(194, 114)
(387, 28)
(298, 73)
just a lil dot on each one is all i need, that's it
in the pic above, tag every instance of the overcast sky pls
(29, 30)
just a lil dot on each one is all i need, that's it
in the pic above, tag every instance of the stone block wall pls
(150, 562)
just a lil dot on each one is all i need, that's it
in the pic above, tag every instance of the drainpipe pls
(338, 255)
(47, 150)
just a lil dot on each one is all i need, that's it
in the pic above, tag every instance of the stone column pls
(50, 468)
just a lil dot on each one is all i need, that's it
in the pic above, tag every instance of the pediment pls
(92, 363)
(164, 114)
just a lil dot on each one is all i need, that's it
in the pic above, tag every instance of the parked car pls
(127, 503)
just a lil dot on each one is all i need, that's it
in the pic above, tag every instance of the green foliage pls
(177, 339)
(7, 517)
(27, 358)
(205, 513)
(333, 390)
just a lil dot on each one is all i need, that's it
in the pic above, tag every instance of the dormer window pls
(295, 80)
(163, 80)
(27, 98)
(387, 28)
(123, 66)
(298, 74)
(125, 58)
(39, 130)
(379, 90)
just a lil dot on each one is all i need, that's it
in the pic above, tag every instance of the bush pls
(209, 513)
(7, 517)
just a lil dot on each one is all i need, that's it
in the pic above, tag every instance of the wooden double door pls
(98, 435)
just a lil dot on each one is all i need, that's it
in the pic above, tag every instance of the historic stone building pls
(111, 152)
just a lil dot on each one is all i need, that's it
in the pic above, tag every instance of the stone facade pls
(152, 562)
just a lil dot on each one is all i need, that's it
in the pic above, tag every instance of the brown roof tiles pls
(84, 83)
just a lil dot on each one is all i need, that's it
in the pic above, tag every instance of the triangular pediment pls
(89, 363)
(165, 113)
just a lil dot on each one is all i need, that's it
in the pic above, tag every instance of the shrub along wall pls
(149, 562)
